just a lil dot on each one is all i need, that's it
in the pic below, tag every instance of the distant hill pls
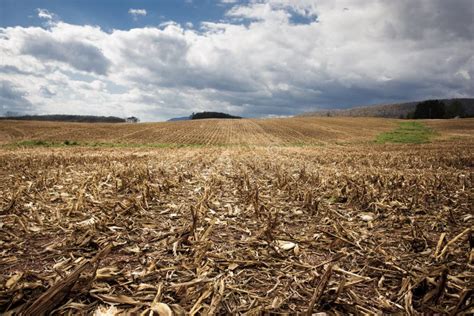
(395, 110)
(209, 115)
(67, 118)
(182, 118)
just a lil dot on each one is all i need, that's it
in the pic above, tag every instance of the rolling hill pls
(395, 110)
(261, 132)
(66, 118)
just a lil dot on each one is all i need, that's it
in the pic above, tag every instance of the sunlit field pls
(238, 216)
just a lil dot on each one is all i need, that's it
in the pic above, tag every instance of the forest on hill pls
(462, 107)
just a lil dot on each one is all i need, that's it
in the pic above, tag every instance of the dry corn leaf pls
(106, 311)
(13, 280)
(285, 245)
(162, 309)
(233, 266)
(118, 299)
(367, 217)
(133, 249)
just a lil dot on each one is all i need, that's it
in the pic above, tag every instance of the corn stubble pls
(342, 230)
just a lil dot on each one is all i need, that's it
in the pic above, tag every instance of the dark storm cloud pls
(256, 61)
(13, 70)
(79, 55)
(12, 99)
(421, 19)
(46, 92)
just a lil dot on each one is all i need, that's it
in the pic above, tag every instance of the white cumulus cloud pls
(45, 14)
(137, 12)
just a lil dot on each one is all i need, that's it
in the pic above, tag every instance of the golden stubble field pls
(261, 132)
(341, 228)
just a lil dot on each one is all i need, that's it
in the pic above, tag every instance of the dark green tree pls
(455, 109)
(208, 115)
(431, 109)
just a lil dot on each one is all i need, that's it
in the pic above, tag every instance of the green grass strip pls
(407, 133)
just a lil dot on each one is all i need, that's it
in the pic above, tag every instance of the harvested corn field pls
(355, 229)
(261, 132)
(256, 132)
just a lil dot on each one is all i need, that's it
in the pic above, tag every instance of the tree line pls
(436, 109)
(208, 115)
(67, 118)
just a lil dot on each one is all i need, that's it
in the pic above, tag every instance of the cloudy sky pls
(168, 58)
